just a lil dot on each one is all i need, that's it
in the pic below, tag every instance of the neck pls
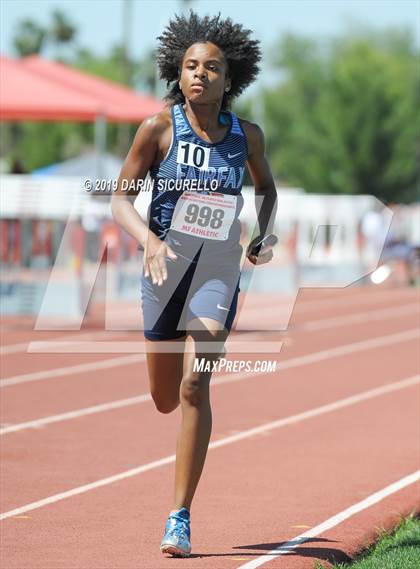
(204, 116)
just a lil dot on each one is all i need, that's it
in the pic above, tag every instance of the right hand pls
(264, 256)
(154, 260)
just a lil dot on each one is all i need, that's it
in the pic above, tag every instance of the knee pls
(164, 405)
(194, 390)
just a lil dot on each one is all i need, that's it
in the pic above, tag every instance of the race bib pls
(204, 215)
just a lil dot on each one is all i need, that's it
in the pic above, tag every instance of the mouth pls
(200, 86)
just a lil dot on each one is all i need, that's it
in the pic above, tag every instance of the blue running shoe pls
(176, 540)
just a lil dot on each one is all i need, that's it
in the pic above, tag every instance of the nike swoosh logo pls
(222, 308)
(233, 155)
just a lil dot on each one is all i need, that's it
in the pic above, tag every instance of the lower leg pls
(192, 444)
(196, 424)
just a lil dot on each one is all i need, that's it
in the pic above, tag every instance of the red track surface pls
(256, 492)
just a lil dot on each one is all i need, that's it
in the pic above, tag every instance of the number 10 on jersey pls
(193, 155)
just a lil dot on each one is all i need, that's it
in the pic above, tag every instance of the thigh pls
(165, 367)
(216, 299)
(163, 306)
(205, 339)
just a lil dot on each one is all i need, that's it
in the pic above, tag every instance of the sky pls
(100, 22)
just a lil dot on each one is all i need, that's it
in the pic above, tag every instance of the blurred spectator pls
(373, 229)
(398, 253)
(17, 167)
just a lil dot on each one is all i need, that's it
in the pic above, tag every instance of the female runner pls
(196, 152)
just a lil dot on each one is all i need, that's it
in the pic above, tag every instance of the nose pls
(200, 72)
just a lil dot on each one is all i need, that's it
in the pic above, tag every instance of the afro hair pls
(241, 53)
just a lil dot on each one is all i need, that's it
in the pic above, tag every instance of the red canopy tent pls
(27, 96)
(34, 89)
(37, 89)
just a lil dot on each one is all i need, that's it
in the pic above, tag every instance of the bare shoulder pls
(162, 120)
(254, 136)
(156, 125)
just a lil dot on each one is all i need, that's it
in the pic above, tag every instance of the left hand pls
(264, 256)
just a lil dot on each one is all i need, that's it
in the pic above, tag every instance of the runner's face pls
(204, 74)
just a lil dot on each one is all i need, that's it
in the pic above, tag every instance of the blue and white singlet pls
(206, 179)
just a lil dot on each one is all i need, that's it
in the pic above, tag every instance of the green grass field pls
(397, 550)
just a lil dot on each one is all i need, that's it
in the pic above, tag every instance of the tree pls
(62, 31)
(29, 38)
(345, 118)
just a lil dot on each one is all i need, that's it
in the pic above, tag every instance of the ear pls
(228, 85)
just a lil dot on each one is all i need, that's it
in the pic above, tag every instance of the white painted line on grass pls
(293, 419)
(371, 500)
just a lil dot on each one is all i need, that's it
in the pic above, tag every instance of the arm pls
(142, 154)
(265, 188)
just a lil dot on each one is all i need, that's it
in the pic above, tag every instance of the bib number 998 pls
(204, 216)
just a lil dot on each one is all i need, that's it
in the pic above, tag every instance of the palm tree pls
(29, 38)
(62, 31)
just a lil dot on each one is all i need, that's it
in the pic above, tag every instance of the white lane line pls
(23, 346)
(363, 345)
(365, 296)
(235, 346)
(38, 423)
(293, 419)
(71, 370)
(140, 346)
(220, 379)
(371, 500)
(80, 368)
(365, 316)
(294, 307)
(105, 364)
